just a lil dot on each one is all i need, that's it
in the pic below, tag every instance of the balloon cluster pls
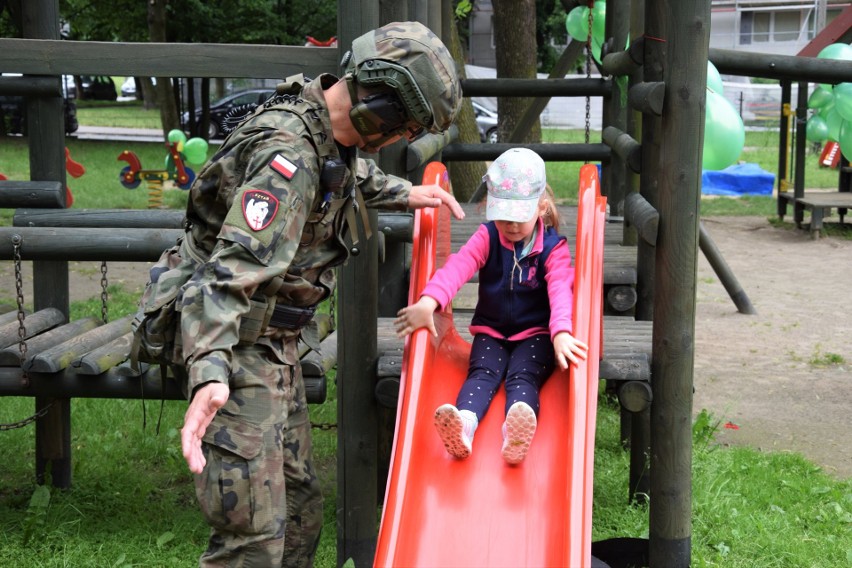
(724, 132)
(832, 106)
(577, 25)
(194, 150)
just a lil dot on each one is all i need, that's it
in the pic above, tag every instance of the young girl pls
(522, 323)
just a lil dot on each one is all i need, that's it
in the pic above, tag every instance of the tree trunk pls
(164, 95)
(466, 176)
(514, 39)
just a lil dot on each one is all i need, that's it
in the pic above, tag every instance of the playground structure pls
(653, 183)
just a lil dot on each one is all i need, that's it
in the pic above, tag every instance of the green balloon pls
(834, 122)
(724, 133)
(835, 51)
(577, 23)
(819, 98)
(843, 100)
(177, 136)
(714, 80)
(599, 20)
(195, 150)
(846, 140)
(816, 129)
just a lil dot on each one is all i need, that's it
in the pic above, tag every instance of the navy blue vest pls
(512, 301)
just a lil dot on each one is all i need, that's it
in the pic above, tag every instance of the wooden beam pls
(148, 59)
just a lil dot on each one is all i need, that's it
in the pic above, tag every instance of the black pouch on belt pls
(289, 317)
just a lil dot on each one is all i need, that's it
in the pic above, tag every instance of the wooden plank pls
(100, 218)
(14, 194)
(61, 356)
(36, 323)
(45, 243)
(826, 199)
(149, 59)
(105, 357)
(11, 356)
(9, 314)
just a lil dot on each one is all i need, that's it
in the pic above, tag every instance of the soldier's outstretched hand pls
(434, 196)
(208, 399)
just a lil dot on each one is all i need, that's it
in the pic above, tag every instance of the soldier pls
(266, 220)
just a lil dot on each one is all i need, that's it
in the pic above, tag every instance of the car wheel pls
(491, 136)
(212, 130)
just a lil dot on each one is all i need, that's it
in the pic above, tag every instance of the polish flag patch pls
(259, 208)
(283, 166)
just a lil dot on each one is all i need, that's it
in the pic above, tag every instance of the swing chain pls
(104, 294)
(17, 242)
(28, 420)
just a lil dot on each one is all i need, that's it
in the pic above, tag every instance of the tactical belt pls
(289, 317)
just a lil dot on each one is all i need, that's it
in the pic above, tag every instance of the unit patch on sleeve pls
(259, 208)
(283, 166)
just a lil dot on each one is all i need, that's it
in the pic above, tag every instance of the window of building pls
(767, 26)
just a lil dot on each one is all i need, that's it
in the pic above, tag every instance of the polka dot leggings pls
(525, 364)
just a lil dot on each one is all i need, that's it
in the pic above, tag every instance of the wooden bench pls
(820, 204)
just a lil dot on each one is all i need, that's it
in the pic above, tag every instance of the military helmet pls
(409, 59)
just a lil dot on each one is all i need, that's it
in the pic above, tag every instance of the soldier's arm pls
(387, 191)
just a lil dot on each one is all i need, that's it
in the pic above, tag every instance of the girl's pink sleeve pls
(459, 268)
(560, 289)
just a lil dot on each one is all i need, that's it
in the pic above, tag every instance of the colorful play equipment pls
(181, 151)
(436, 506)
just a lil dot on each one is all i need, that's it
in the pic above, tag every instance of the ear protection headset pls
(391, 110)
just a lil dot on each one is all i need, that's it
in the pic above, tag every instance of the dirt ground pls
(783, 376)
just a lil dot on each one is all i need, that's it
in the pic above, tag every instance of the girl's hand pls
(415, 316)
(567, 348)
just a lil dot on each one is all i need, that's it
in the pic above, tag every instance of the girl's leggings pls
(525, 364)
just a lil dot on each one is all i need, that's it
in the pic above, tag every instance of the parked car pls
(13, 114)
(486, 120)
(219, 109)
(97, 88)
(128, 88)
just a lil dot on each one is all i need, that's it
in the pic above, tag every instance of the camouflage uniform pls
(266, 219)
(259, 483)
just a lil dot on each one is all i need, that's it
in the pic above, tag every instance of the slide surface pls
(444, 512)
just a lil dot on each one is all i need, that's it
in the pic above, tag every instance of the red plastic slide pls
(444, 512)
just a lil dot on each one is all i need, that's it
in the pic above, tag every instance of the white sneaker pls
(518, 432)
(450, 428)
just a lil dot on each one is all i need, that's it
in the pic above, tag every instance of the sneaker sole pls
(520, 429)
(448, 422)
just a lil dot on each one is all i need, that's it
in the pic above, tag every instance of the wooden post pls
(357, 344)
(686, 31)
(652, 70)
(45, 120)
(615, 174)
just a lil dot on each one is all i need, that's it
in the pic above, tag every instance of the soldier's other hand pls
(433, 196)
(208, 399)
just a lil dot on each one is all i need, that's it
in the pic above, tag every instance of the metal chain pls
(324, 425)
(17, 242)
(26, 421)
(104, 294)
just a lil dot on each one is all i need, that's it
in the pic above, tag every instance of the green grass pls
(123, 114)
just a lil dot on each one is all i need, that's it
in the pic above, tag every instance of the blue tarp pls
(736, 180)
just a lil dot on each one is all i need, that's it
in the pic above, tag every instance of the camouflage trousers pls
(259, 491)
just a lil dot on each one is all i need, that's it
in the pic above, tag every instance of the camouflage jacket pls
(258, 210)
